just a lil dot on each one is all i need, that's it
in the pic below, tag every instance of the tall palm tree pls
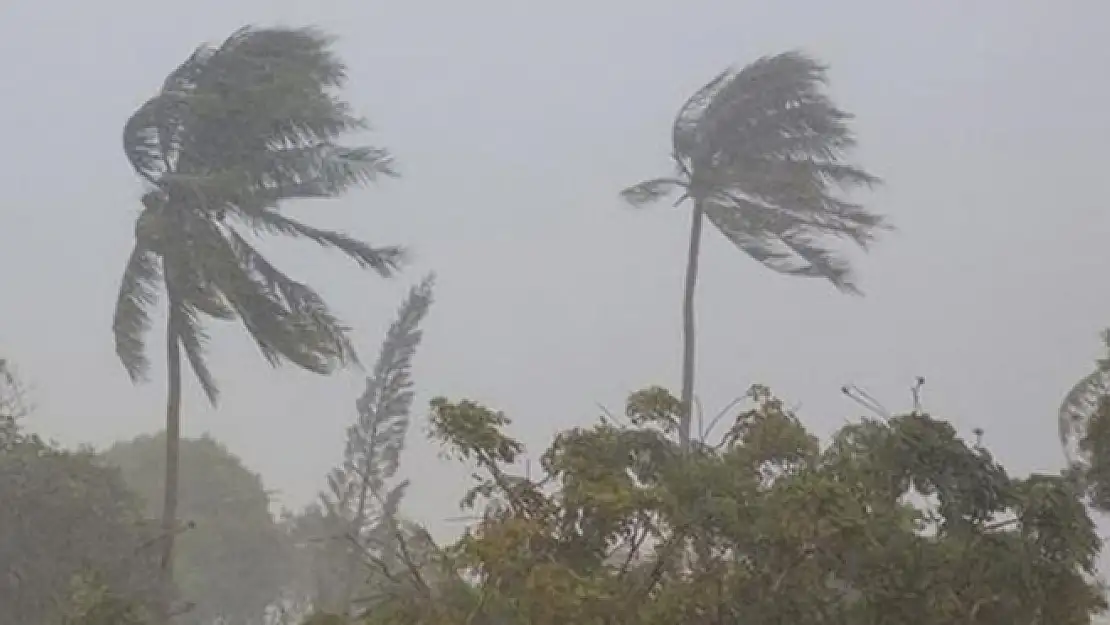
(760, 153)
(235, 130)
(1079, 406)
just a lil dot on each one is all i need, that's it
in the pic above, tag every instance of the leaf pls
(384, 260)
(187, 328)
(649, 191)
(131, 321)
(779, 242)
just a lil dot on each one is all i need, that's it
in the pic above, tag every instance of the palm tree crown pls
(762, 149)
(234, 131)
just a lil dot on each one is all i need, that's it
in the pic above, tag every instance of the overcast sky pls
(516, 124)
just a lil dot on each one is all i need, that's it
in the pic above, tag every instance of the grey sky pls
(516, 124)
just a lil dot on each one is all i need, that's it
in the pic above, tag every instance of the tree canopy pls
(62, 516)
(891, 522)
(234, 559)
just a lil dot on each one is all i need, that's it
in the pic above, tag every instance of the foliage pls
(358, 519)
(236, 130)
(234, 561)
(1080, 405)
(64, 515)
(93, 602)
(763, 148)
(13, 405)
(1094, 473)
(892, 522)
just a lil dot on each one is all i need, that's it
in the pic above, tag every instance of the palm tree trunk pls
(688, 337)
(173, 458)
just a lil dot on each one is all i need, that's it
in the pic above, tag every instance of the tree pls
(236, 130)
(64, 516)
(235, 560)
(892, 522)
(760, 153)
(357, 521)
(360, 496)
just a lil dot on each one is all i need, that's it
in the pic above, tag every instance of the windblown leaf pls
(194, 339)
(137, 294)
(779, 242)
(384, 260)
(649, 191)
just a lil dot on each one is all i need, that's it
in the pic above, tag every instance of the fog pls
(514, 127)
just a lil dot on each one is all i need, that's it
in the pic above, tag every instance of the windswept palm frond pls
(650, 191)
(777, 241)
(318, 330)
(190, 332)
(384, 260)
(138, 294)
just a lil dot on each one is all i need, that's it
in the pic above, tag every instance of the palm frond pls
(258, 306)
(187, 327)
(191, 285)
(316, 328)
(138, 292)
(650, 191)
(321, 170)
(261, 90)
(772, 107)
(782, 242)
(152, 136)
(273, 87)
(685, 134)
(384, 260)
(820, 262)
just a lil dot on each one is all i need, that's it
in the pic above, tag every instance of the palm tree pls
(234, 131)
(760, 153)
(1080, 405)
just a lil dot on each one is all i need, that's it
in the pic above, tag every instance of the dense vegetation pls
(633, 519)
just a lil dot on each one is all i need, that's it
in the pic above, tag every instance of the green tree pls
(64, 515)
(892, 522)
(347, 543)
(360, 496)
(234, 559)
(236, 130)
(760, 153)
